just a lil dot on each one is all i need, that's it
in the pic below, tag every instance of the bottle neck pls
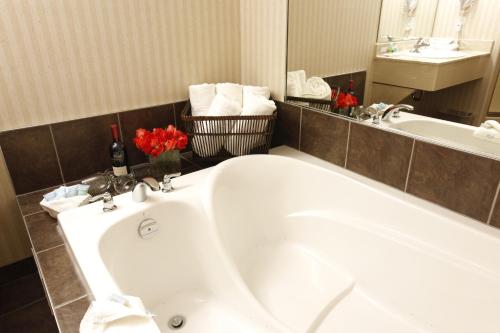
(114, 133)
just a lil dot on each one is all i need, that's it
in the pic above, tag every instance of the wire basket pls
(219, 138)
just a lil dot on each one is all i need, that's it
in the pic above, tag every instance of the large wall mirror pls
(422, 67)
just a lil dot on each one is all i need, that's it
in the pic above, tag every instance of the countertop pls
(67, 292)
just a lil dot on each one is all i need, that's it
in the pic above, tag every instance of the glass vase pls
(168, 162)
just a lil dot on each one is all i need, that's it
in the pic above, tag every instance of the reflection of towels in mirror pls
(255, 105)
(295, 83)
(317, 88)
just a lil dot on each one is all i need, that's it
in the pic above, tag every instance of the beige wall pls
(331, 37)
(14, 243)
(263, 44)
(482, 23)
(67, 59)
(393, 19)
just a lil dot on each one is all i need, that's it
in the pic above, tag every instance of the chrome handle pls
(108, 204)
(167, 182)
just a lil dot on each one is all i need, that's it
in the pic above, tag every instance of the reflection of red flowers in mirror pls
(160, 140)
(346, 100)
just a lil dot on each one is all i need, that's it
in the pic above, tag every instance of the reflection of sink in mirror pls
(430, 54)
(450, 133)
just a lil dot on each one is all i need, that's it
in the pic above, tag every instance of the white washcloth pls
(255, 90)
(255, 105)
(206, 146)
(316, 87)
(295, 83)
(232, 91)
(118, 314)
(491, 124)
(201, 97)
(56, 206)
(487, 134)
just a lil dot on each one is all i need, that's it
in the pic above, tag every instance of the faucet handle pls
(167, 182)
(107, 201)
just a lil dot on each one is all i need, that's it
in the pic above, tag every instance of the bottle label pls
(120, 171)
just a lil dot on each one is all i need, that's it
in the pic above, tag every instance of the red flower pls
(346, 101)
(160, 140)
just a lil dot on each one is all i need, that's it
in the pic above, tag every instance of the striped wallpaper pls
(332, 37)
(68, 59)
(393, 19)
(263, 44)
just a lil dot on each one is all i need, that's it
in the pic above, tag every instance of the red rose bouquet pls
(160, 140)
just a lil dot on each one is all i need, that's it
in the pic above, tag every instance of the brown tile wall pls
(460, 181)
(46, 156)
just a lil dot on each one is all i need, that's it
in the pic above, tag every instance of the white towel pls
(201, 97)
(491, 124)
(316, 87)
(232, 91)
(206, 146)
(255, 90)
(295, 83)
(255, 105)
(122, 314)
(487, 134)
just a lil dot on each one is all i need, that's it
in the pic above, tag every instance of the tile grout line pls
(119, 125)
(57, 153)
(409, 166)
(347, 145)
(300, 128)
(50, 248)
(70, 301)
(495, 199)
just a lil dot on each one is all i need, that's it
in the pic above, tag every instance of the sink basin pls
(279, 244)
(453, 134)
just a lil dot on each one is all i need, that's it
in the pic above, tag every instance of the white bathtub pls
(275, 244)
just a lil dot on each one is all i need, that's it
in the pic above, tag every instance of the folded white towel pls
(487, 134)
(255, 90)
(491, 124)
(316, 87)
(206, 146)
(232, 91)
(56, 206)
(118, 314)
(201, 97)
(255, 105)
(295, 83)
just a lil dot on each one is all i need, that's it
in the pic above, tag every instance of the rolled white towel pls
(201, 97)
(255, 90)
(207, 146)
(118, 314)
(255, 105)
(295, 83)
(316, 87)
(232, 91)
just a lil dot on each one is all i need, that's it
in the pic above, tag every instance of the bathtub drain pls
(176, 322)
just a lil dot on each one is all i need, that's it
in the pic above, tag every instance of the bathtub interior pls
(313, 256)
(178, 272)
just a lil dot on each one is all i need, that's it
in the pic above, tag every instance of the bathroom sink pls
(450, 133)
(291, 243)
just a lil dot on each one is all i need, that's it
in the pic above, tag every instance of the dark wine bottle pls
(118, 154)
